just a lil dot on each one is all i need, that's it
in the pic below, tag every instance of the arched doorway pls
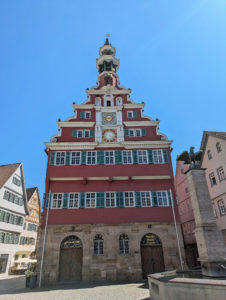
(151, 254)
(70, 259)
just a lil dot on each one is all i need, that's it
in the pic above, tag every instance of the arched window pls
(209, 154)
(218, 146)
(123, 244)
(98, 245)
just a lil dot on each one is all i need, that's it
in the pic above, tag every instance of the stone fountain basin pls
(167, 286)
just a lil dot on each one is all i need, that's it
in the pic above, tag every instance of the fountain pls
(211, 247)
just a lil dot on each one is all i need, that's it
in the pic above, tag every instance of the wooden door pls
(71, 264)
(152, 260)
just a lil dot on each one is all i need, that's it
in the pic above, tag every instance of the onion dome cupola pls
(107, 62)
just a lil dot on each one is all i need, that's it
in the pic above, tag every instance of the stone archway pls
(152, 259)
(70, 267)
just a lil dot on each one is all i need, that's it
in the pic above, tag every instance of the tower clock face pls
(109, 135)
(109, 118)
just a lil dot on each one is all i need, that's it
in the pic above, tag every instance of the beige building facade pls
(110, 265)
(25, 256)
(214, 161)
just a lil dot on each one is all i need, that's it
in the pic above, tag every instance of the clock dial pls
(109, 135)
(109, 118)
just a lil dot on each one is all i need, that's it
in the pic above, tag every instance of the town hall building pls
(110, 195)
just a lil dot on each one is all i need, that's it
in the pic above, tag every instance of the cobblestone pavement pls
(83, 291)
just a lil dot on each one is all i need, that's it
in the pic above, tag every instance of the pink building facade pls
(186, 214)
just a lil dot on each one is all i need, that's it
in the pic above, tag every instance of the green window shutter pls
(137, 199)
(150, 156)
(82, 200)
(135, 113)
(83, 158)
(47, 200)
(135, 161)
(91, 133)
(5, 195)
(126, 132)
(82, 114)
(65, 200)
(68, 156)
(154, 198)
(2, 215)
(100, 199)
(170, 198)
(165, 155)
(100, 157)
(143, 131)
(118, 156)
(120, 199)
(52, 158)
(74, 133)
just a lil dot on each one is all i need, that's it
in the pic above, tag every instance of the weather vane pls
(108, 35)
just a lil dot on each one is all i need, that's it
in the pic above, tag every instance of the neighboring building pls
(214, 161)
(25, 256)
(112, 186)
(186, 214)
(13, 208)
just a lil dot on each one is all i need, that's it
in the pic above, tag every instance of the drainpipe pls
(44, 241)
(175, 224)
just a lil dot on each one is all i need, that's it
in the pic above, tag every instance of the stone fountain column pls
(211, 248)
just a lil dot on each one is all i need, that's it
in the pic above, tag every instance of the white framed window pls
(98, 245)
(80, 133)
(145, 199)
(127, 157)
(142, 157)
(75, 158)
(91, 200)
(220, 173)
(221, 206)
(60, 158)
(91, 158)
(87, 114)
(137, 132)
(157, 156)
(129, 199)
(162, 198)
(130, 114)
(212, 179)
(218, 146)
(110, 199)
(74, 200)
(86, 133)
(123, 244)
(57, 200)
(16, 181)
(109, 157)
(131, 132)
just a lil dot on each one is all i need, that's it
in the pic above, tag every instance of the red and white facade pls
(109, 173)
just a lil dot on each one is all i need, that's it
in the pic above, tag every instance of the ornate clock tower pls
(109, 189)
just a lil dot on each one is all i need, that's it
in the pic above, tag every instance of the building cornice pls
(108, 90)
(114, 178)
(75, 124)
(83, 106)
(134, 105)
(140, 123)
(96, 145)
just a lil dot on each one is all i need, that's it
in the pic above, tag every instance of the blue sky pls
(172, 55)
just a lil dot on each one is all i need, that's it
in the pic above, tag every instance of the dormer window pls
(108, 100)
(209, 154)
